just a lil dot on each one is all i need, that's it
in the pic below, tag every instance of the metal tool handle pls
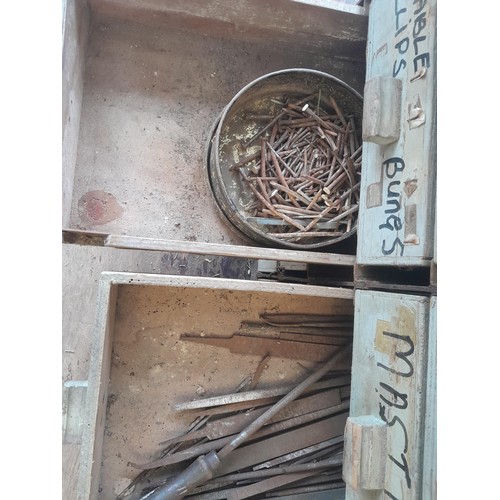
(201, 470)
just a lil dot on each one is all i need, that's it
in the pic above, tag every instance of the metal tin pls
(233, 127)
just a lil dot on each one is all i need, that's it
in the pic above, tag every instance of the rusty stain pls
(98, 207)
(382, 50)
(410, 187)
(383, 343)
(411, 239)
(404, 323)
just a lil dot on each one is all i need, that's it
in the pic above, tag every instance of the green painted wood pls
(396, 225)
(389, 367)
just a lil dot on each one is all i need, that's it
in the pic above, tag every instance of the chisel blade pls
(260, 346)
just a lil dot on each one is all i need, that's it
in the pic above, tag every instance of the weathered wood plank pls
(137, 243)
(391, 287)
(334, 21)
(97, 393)
(75, 37)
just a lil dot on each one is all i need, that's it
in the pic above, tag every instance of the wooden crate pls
(144, 85)
(139, 368)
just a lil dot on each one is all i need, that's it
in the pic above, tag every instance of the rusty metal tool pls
(322, 337)
(256, 403)
(286, 442)
(334, 451)
(254, 453)
(282, 425)
(322, 480)
(254, 488)
(287, 469)
(297, 437)
(309, 450)
(271, 483)
(224, 481)
(264, 329)
(260, 346)
(205, 467)
(315, 489)
(227, 399)
(315, 339)
(317, 320)
(235, 423)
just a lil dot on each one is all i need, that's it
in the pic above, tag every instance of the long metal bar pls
(235, 423)
(343, 385)
(291, 396)
(300, 453)
(268, 484)
(260, 346)
(323, 477)
(224, 481)
(265, 329)
(297, 319)
(323, 464)
(256, 394)
(204, 468)
(313, 489)
(331, 451)
(255, 488)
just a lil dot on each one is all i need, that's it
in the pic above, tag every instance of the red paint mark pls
(98, 207)
(95, 209)
(410, 187)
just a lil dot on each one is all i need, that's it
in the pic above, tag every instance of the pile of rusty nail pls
(305, 177)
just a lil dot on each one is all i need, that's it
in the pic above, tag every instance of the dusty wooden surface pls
(141, 162)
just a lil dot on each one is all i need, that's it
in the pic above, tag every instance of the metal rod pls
(283, 469)
(292, 395)
(205, 467)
